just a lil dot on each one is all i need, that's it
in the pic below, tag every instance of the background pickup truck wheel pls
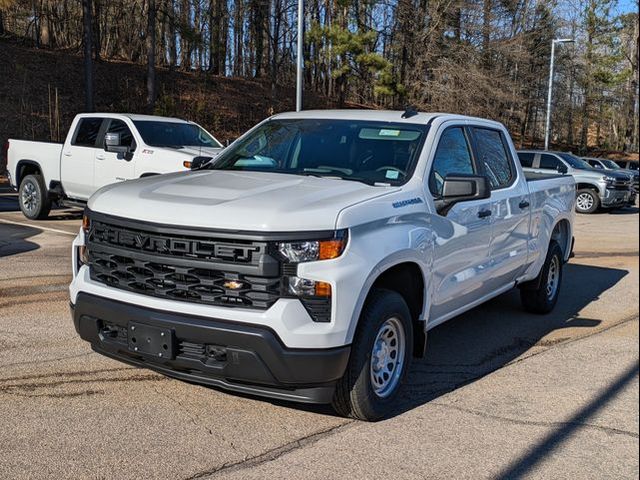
(541, 295)
(34, 198)
(587, 201)
(380, 357)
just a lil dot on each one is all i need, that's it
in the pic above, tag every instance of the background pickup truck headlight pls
(609, 180)
(312, 250)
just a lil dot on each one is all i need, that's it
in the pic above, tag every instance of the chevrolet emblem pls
(232, 285)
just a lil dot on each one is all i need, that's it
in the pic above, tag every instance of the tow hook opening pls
(217, 352)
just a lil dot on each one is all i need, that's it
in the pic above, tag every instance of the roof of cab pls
(396, 116)
(135, 117)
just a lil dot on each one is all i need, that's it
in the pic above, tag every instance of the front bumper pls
(616, 198)
(239, 357)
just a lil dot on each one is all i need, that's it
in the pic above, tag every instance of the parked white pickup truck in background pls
(100, 149)
(309, 260)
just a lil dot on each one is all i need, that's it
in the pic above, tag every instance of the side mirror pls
(112, 143)
(562, 169)
(462, 188)
(198, 162)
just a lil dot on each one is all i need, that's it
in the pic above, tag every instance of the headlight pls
(313, 250)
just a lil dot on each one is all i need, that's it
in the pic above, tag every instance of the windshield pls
(611, 164)
(370, 152)
(575, 162)
(175, 134)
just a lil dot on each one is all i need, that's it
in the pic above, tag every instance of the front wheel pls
(33, 198)
(541, 294)
(380, 357)
(587, 201)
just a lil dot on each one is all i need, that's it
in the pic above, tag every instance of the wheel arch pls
(562, 234)
(26, 167)
(407, 279)
(587, 186)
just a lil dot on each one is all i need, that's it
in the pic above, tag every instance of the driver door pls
(114, 167)
(462, 235)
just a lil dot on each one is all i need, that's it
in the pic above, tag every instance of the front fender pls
(373, 248)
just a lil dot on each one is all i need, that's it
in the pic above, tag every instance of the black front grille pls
(184, 267)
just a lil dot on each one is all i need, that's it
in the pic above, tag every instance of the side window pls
(493, 156)
(452, 156)
(126, 137)
(526, 159)
(596, 164)
(87, 132)
(549, 162)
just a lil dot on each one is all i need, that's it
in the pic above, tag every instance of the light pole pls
(548, 120)
(299, 60)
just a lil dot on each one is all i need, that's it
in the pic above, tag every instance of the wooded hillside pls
(479, 57)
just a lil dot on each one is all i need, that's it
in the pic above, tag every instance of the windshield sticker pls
(389, 133)
(392, 174)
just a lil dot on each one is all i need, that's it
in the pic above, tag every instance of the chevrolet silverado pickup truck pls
(101, 148)
(604, 164)
(309, 259)
(594, 189)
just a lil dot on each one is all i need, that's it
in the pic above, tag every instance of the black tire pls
(33, 198)
(355, 394)
(535, 294)
(591, 203)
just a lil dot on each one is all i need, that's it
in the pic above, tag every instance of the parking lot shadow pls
(13, 239)
(9, 203)
(490, 336)
(472, 345)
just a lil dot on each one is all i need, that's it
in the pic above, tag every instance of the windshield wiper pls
(339, 177)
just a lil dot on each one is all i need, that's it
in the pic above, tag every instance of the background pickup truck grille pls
(620, 185)
(184, 267)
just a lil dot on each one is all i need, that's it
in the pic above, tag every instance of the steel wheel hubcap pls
(584, 201)
(29, 197)
(553, 278)
(387, 357)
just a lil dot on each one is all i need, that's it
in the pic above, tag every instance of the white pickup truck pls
(101, 148)
(308, 260)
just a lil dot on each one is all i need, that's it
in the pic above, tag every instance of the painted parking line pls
(2, 220)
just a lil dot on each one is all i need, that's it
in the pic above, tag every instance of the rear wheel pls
(541, 295)
(33, 197)
(587, 201)
(380, 357)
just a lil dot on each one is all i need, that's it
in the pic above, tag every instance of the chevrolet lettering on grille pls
(103, 234)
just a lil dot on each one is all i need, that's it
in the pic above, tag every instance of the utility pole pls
(548, 120)
(299, 60)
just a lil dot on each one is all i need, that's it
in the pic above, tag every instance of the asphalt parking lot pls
(501, 394)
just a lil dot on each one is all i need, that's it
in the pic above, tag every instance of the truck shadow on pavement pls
(13, 239)
(487, 338)
(490, 336)
(9, 203)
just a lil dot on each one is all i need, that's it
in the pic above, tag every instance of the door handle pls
(524, 204)
(67, 154)
(484, 213)
(100, 157)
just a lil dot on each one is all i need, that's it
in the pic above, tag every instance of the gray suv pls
(595, 188)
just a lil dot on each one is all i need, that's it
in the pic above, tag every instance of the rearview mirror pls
(198, 162)
(462, 188)
(562, 169)
(112, 143)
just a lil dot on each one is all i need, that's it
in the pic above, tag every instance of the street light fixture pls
(299, 60)
(548, 120)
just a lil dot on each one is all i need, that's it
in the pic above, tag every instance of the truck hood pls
(249, 201)
(194, 151)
